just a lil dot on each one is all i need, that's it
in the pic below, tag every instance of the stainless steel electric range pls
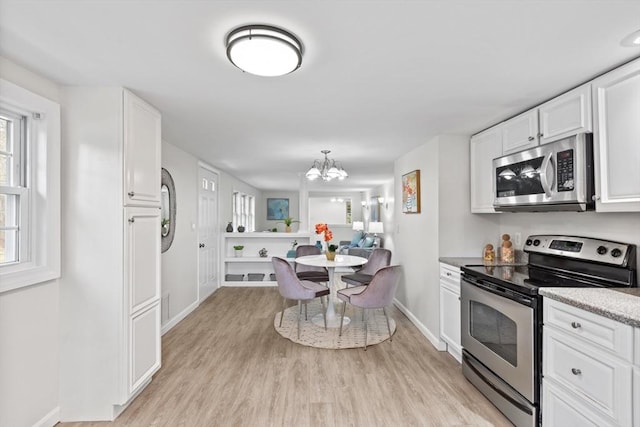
(501, 314)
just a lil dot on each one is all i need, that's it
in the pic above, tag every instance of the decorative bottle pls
(230, 228)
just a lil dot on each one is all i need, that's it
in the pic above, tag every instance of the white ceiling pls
(378, 78)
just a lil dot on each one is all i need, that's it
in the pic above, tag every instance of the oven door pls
(499, 332)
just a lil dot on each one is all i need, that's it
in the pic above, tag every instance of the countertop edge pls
(605, 308)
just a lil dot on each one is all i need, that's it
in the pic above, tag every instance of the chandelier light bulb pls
(326, 169)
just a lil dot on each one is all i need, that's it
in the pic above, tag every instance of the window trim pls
(43, 195)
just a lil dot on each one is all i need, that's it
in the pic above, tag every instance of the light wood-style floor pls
(225, 365)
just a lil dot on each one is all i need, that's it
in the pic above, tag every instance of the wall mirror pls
(167, 209)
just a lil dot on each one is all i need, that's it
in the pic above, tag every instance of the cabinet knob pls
(132, 220)
(575, 325)
(201, 245)
(531, 138)
(576, 371)
(540, 135)
(448, 274)
(595, 197)
(131, 193)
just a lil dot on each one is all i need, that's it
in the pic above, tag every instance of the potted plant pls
(292, 252)
(237, 250)
(331, 252)
(287, 223)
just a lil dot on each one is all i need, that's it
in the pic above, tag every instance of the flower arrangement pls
(328, 235)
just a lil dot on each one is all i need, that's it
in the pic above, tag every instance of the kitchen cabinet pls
(587, 368)
(110, 289)
(238, 268)
(616, 106)
(520, 132)
(450, 309)
(566, 115)
(484, 147)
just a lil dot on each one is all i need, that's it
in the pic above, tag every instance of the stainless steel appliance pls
(501, 314)
(553, 177)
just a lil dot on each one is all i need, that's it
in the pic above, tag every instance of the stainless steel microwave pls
(557, 176)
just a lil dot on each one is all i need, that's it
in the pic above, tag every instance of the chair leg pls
(364, 315)
(344, 307)
(284, 306)
(305, 312)
(384, 310)
(324, 313)
(299, 312)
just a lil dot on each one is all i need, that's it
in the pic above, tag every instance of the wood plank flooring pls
(225, 365)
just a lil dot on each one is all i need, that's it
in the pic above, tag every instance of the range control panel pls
(584, 248)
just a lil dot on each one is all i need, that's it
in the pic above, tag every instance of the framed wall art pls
(277, 209)
(411, 192)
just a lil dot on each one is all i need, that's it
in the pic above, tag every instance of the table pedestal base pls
(332, 321)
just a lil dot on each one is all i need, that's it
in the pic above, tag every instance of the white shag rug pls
(313, 335)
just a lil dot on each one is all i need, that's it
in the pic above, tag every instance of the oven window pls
(495, 331)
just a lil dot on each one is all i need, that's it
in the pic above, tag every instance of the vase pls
(319, 244)
(229, 228)
(241, 229)
(287, 229)
(237, 252)
(330, 255)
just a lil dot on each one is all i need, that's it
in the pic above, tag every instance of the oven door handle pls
(545, 180)
(499, 290)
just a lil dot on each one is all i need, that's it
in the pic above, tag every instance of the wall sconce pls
(364, 204)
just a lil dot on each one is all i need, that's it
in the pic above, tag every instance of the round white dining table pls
(333, 321)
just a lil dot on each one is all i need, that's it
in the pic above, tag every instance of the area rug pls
(313, 335)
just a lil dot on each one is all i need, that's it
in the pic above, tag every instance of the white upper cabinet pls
(484, 147)
(566, 115)
(520, 132)
(616, 107)
(142, 130)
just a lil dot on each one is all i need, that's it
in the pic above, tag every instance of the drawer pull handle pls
(131, 193)
(448, 274)
(575, 325)
(576, 371)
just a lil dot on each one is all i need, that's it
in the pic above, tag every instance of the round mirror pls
(167, 209)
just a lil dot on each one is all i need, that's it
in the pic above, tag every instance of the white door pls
(207, 232)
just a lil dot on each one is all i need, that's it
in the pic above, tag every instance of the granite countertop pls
(620, 304)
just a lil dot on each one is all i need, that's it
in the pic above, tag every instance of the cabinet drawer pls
(560, 409)
(605, 333)
(449, 272)
(595, 376)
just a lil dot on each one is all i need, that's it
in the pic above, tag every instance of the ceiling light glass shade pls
(632, 40)
(264, 50)
(326, 169)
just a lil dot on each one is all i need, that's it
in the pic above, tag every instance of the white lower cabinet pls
(144, 351)
(587, 369)
(450, 309)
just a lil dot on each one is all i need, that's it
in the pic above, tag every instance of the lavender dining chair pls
(291, 287)
(378, 294)
(309, 272)
(379, 258)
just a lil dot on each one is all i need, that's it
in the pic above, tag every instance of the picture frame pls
(277, 209)
(411, 192)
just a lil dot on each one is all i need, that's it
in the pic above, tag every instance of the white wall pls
(445, 226)
(180, 261)
(29, 322)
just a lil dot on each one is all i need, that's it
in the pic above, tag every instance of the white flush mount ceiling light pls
(264, 50)
(326, 169)
(632, 40)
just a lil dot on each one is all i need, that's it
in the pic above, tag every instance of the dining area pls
(357, 291)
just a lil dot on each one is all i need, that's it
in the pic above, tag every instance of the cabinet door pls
(142, 145)
(566, 115)
(450, 319)
(616, 105)
(562, 408)
(520, 132)
(142, 257)
(144, 347)
(484, 147)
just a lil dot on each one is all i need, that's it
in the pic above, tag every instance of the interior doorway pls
(208, 235)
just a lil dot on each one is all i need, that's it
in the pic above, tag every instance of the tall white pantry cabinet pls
(110, 285)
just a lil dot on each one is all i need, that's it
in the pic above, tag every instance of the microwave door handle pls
(545, 180)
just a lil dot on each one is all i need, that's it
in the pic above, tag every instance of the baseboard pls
(250, 284)
(434, 339)
(49, 420)
(173, 322)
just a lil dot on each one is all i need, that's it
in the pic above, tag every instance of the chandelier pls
(264, 50)
(326, 169)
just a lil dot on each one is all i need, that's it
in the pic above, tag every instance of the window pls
(29, 188)
(244, 211)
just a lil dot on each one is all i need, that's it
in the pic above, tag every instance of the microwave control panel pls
(565, 170)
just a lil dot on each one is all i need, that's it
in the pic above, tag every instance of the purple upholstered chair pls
(290, 287)
(378, 294)
(379, 258)
(309, 272)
